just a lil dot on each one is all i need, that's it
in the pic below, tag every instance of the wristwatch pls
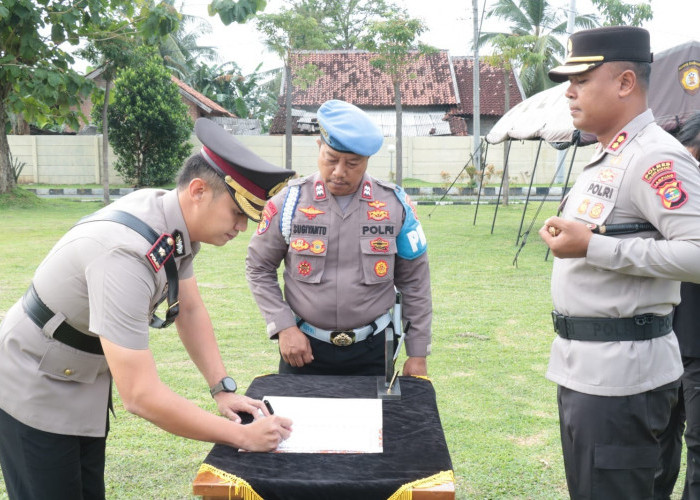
(227, 384)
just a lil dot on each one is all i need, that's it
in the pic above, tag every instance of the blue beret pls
(348, 129)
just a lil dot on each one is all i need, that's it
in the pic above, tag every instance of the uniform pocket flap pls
(66, 363)
(608, 456)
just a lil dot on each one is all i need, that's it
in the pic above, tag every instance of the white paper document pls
(330, 425)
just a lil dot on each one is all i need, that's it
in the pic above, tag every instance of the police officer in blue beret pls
(615, 357)
(84, 321)
(346, 239)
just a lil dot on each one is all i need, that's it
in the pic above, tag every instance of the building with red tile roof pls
(434, 101)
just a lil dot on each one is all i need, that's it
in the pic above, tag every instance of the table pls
(415, 456)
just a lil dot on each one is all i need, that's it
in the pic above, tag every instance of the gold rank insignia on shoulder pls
(161, 251)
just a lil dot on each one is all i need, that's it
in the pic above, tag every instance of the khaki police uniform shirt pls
(643, 175)
(98, 278)
(340, 268)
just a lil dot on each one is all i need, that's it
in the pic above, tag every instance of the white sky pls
(449, 24)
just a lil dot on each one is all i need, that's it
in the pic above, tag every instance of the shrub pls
(148, 123)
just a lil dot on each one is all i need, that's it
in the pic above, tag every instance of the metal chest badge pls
(179, 243)
(161, 251)
(311, 212)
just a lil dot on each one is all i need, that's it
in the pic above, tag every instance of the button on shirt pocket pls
(65, 363)
(307, 257)
(378, 254)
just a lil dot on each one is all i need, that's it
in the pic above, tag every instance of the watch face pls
(229, 384)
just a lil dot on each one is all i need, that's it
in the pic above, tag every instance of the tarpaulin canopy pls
(674, 90)
(674, 95)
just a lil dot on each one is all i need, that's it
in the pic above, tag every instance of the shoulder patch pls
(161, 251)
(411, 242)
(662, 178)
(267, 214)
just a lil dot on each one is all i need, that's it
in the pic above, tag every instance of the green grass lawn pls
(491, 338)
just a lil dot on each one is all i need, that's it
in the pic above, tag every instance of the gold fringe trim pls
(236, 485)
(423, 377)
(404, 492)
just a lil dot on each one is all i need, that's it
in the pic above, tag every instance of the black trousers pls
(362, 358)
(38, 465)
(612, 444)
(687, 416)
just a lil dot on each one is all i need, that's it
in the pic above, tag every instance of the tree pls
(110, 49)
(617, 13)
(35, 76)
(344, 23)
(394, 42)
(149, 123)
(180, 49)
(539, 21)
(285, 32)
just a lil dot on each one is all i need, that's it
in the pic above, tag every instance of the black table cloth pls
(413, 441)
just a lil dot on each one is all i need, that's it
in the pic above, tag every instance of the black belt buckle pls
(343, 338)
(559, 323)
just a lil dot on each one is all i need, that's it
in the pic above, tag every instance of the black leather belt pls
(642, 327)
(40, 314)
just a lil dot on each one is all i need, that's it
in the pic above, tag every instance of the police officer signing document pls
(85, 320)
(346, 239)
(615, 358)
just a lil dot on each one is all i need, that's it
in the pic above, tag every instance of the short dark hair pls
(197, 167)
(641, 69)
(689, 135)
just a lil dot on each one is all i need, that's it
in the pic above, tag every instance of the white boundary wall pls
(76, 159)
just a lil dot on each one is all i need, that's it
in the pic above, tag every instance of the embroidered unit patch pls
(379, 245)
(299, 245)
(381, 268)
(304, 268)
(662, 177)
(377, 215)
(317, 247)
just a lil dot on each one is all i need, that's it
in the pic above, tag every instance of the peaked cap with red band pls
(251, 181)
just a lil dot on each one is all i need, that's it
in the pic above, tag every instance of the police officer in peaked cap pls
(627, 235)
(346, 239)
(85, 318)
